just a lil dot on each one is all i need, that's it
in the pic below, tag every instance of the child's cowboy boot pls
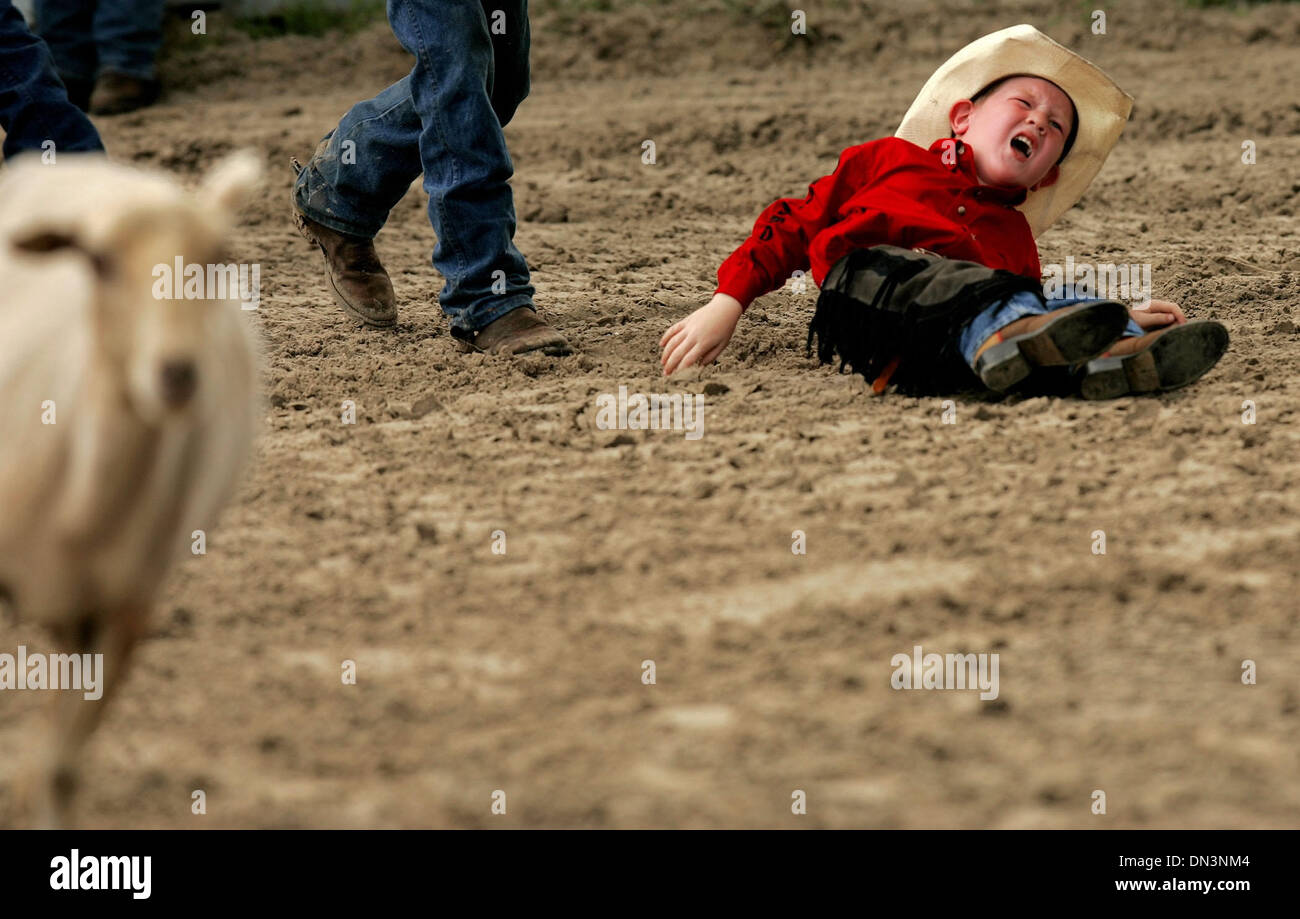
(1070, 335)
(1157, 361)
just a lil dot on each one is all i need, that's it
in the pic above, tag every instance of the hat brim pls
(1102, 106)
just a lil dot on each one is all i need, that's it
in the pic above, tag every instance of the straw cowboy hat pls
(1102, 106)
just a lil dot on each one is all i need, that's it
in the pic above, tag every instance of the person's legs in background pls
(34, 108)
(105, 50)
(128, 34)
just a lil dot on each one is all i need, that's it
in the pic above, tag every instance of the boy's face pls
(1016, 132)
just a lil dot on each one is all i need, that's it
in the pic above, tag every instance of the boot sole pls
(1077, 336)
(1177, 358)
(342, 301)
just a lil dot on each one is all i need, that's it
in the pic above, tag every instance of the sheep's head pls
(160, 275)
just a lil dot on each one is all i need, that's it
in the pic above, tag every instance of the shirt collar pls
(966, 166)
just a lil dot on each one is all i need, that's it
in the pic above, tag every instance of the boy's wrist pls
(721, 299)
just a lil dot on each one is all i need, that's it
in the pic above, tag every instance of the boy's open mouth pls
(1023, 146)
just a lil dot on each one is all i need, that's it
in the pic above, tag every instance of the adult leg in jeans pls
(68, 27)
(342, 198)
(366, 165)
(34, 106)
(510, 74)
(128, 34)
(463, 153)
(443, 120)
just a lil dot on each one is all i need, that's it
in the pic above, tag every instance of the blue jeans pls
(1016, 307)
(88, 37)
(34, 106)
(444, 120)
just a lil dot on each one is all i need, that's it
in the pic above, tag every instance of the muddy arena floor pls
(479, 671)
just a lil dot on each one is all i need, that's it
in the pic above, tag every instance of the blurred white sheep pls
(153, 404)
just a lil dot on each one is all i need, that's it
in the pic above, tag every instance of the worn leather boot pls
(517, 331)
(358, 281)
(116, 93)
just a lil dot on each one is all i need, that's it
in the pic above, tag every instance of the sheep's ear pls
(41, 241)
(231, 183)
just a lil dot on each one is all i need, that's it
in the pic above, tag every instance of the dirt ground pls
(522, 671)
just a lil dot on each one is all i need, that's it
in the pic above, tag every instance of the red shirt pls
(888, 191)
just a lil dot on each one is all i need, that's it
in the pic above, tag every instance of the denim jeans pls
(34, 106)
(1016, 307)
(88, 37)
(444, 120)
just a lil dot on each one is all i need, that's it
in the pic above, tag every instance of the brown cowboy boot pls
(1062, 337)
(357, 279)
(517, 331)
(1155, 362)
(116, 93)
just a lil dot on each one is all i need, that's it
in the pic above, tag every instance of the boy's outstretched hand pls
(701, 336)
(1158, 315)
